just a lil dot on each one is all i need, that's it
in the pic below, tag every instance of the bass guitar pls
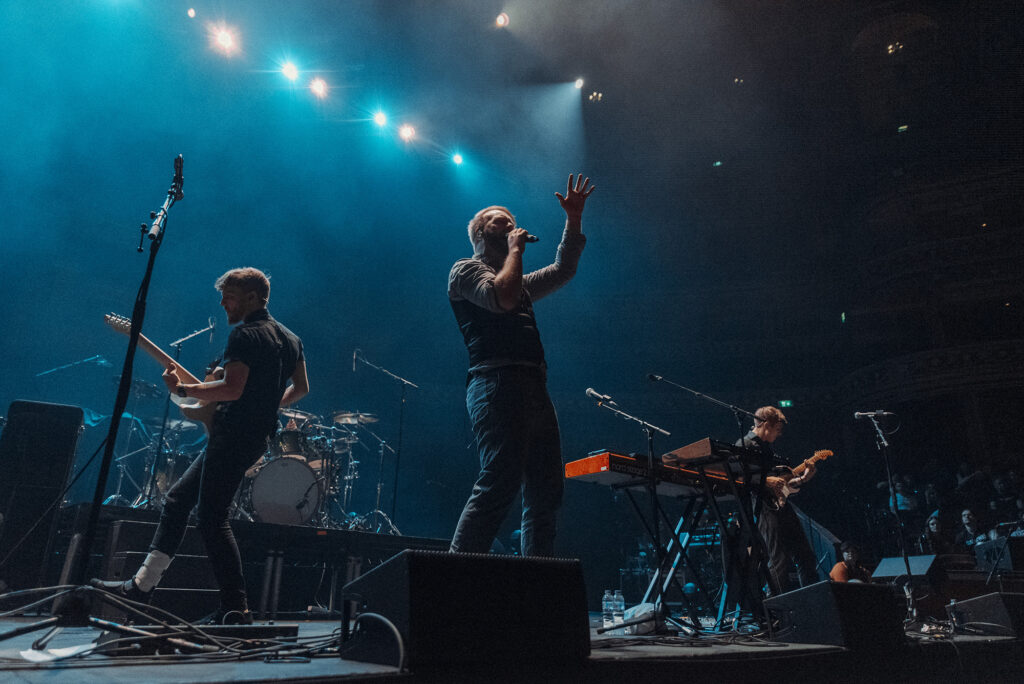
(194, 409)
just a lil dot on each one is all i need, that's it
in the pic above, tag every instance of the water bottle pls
(607, 609)
(619, 611)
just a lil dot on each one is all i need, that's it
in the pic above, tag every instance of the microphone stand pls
(401, 422)
(652, 482)
(736, 410)
(883, 447)
(96, 358)
(73, 608)
(145, 499)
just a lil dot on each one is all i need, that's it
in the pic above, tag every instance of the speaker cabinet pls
(856, 616)
(459, 608)
(1003, 609)
(37, 447)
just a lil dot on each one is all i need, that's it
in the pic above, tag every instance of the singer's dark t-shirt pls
(272, 353)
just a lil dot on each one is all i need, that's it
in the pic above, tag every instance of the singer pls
(506, 390)
(260, 359)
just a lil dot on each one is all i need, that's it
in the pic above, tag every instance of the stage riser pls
(301, 560)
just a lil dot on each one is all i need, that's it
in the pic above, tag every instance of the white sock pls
(152, 570)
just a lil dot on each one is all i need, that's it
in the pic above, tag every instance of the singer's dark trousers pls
(211, 482)
(517, 438)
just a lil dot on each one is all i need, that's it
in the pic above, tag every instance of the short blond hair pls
(246, 279)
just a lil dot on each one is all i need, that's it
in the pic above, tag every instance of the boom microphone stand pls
(358, 356)
(606, 402)
(75, 610)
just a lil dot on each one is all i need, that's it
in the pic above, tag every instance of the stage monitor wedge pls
(467, 608)
(853, 615)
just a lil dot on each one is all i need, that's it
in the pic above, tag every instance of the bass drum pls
(285, 492)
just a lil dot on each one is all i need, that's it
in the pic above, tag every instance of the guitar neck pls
(165, 360)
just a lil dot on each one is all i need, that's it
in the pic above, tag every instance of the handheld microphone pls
(872, 414)
(529, 237)
(654, 378)
(179, 177)
(213, 327)
(599, 398)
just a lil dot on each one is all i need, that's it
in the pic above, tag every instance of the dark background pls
(762, 228)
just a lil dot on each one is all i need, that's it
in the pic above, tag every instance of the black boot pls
(124, 589)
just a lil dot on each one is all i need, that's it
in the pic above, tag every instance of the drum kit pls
(309, 472)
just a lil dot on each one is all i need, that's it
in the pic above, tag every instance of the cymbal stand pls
(357, 355)
(376, 520)
(118, 498)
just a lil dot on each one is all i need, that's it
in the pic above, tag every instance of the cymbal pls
(353, 417)
(296, 414)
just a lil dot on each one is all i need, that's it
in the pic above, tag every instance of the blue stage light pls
(407, 132)
(457, 158)
(319, 87)
(380, 118)
(290, 71)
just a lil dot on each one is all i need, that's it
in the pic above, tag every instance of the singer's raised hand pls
(575, 196)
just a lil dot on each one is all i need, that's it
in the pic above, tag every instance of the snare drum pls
(285, 491)
(290, 443)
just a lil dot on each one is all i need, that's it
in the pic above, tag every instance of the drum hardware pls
(357, 355)
(353, 418)
(376, 520)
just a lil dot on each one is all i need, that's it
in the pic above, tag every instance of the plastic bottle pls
(619, 611)
(607, 609)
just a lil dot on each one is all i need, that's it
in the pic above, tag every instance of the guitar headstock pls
(118, 323)
(821, 455)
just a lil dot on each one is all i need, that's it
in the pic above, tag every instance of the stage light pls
(717, 164)
(457, 158)
(502, 20)
(579, 83)
(380, 118)
(406, 132)
(319, 87)
(191, 13)
(290, 71)
(223, 39)
(902, 129)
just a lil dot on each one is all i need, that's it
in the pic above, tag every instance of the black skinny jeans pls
(211, 482)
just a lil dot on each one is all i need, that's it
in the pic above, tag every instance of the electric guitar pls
(192, 408)
(778, 487)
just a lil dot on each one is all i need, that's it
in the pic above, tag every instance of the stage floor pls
(722, 658)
